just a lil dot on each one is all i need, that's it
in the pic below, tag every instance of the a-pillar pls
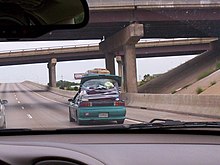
(110, 62)
(52, 72)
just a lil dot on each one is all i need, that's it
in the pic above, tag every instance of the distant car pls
(98, 99)
(2, 113)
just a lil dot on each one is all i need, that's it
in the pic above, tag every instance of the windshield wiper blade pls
(169, 124)
(166, 121)
(14, 130)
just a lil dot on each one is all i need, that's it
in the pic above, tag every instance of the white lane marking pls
(45, 97)
(19, 102)
(134, 121)
(22, 107)
(29, 116)
(16, 98)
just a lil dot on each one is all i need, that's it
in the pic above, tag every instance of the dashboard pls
(115, 149)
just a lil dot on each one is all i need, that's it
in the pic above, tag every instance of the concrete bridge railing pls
(198, 105)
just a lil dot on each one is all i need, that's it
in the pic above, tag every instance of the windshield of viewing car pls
(164, 58)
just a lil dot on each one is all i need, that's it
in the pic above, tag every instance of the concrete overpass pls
(195, 18)
(145, 49)
(123, 23)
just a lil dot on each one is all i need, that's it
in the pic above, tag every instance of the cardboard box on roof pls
(99, 71)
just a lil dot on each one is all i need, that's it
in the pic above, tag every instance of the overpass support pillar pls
(119, 60)
(110, 62)
(215, 45)
(120, 65)
(52, 72)
(130, 70)
(126, 40)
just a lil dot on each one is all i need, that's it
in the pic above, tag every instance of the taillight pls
(119, 103)
(85, 104)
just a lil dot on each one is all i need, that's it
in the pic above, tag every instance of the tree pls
(65, 84)
(146, 78)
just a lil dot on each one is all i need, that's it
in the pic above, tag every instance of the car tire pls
(79, 122)
(120, 121)
(70, 117)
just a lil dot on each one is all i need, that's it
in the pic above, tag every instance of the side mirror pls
(4, 102)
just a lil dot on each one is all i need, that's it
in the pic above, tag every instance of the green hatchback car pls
(98, 100)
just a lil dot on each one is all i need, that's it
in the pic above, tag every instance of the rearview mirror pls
(33, 18)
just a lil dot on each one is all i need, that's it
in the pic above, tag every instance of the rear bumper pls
(114, 113)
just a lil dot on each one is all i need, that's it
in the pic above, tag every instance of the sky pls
(65, 70)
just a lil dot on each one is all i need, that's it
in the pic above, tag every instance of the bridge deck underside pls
(158, 23)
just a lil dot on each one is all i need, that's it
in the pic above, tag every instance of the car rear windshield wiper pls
(169, 124)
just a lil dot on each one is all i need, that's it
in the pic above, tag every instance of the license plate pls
(103, 115)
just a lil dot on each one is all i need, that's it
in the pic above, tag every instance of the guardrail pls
(175, 42)
(49, 48)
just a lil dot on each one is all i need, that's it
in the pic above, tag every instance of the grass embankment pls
(205, 74)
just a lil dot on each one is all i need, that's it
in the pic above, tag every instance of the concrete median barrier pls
(61, 92)
(199, 105)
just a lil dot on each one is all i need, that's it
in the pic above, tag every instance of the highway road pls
(32, 107)
(27, 108)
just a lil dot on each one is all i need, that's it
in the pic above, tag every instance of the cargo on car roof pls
(98, 71)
